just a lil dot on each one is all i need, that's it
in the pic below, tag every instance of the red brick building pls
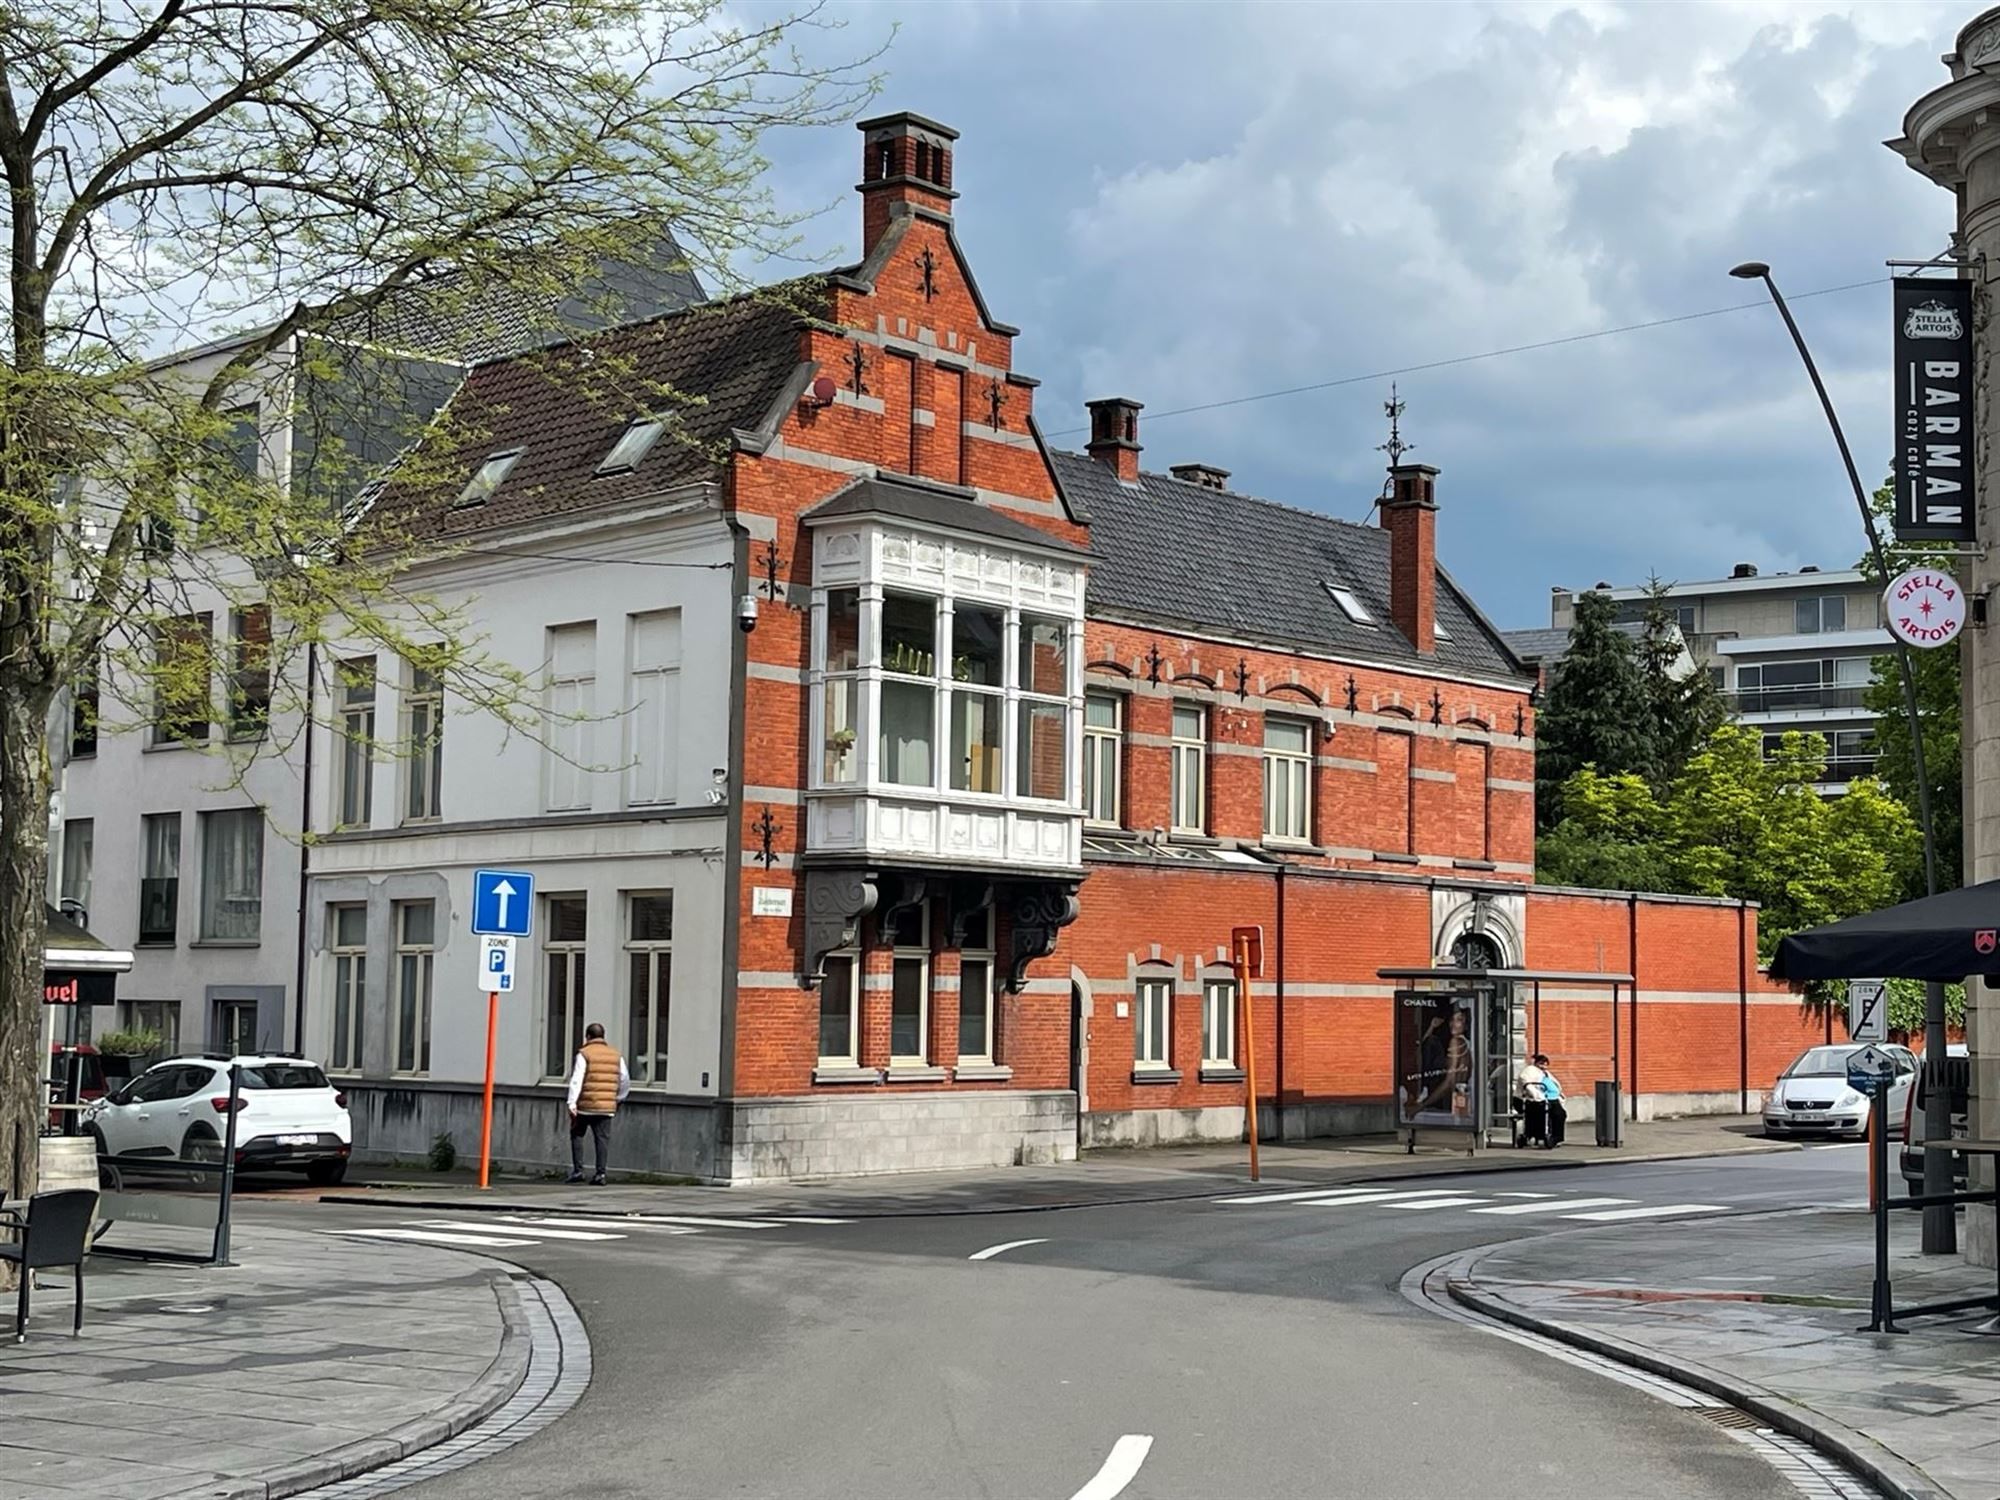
(1019, 735)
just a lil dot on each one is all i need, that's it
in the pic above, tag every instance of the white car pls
(1811, 1097)
(288, 1116)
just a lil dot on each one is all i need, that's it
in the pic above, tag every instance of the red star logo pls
(1924, 608)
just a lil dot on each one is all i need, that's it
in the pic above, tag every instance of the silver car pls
(1811, 1097)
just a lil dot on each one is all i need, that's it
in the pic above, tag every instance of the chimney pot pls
(1114, 435)
(1409, 515)
(1208, 476)
(1743, 570)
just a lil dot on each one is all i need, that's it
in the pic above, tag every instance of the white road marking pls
(1524, 1195)
(703, 1223)
(1419, 1204)
(806, 1219)
(1119, 1470)
(1735, 1278)
(1300, 1197)
(539, 1226)
(572, 1221)
(1838, 1146)
(992, 1250)
(1376, 1198)
(429, 1236)
(1652, 1211)
(1559, 1205)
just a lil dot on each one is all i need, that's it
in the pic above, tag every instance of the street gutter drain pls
(1729, 1416)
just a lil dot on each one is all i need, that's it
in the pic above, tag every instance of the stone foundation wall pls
(862, 1135)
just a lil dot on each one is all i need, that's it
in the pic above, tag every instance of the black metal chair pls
(55, 1231)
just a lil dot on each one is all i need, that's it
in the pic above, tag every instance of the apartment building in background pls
(1788, 650)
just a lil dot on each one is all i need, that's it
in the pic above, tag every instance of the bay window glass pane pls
(1044, 655)
(909, 634)
(843, 630)
(977, 645)
(841, 763)
(975, 741)
(905, 750)
(1043, 750)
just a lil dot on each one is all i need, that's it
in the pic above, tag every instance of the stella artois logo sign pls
(1933, 320)
(1925, 607)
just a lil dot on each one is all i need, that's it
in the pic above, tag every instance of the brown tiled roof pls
(717, 367)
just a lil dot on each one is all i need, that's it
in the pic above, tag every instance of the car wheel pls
(326, 1173)
(97, 1141)
(201, 1145)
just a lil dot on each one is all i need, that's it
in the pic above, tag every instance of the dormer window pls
(1351, 605)
(633, 444)
(492, 474)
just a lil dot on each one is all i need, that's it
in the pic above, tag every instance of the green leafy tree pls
(305, 180)
(1938, 709)
(1609, 836)
(1597, 714)
(1684, 704)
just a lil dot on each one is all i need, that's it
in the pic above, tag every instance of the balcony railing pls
(1847, 768)
(1785, 700)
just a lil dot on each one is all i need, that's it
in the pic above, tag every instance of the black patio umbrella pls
(1946, 936)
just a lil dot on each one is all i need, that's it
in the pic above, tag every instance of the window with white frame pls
(652, 708)
(423, 741)
(649, 970)
(909, 933)
(978, 697)
(566, 920)
(232, 875)
(840, 652)
(159, 877)
(1218, 1021)
(347, 944)
(1103, 755)
(1042, 746)
(975, 991)
(949, 693)
(1287, 779)
(840, 1009)
(571, 703)
(416, 952)
(181, 667)
(909, 689)
(1824, 613)
(354, 778)
(1152, 1022)
(1188, 759)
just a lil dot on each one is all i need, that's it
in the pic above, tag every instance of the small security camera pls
(746, 613)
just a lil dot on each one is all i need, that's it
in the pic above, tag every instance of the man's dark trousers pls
(600, 1127)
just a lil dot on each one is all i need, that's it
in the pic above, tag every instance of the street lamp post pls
(1940, 1223)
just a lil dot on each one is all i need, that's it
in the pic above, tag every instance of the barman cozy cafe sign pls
(1934, 436)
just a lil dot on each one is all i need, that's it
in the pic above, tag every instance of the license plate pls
(298, 1140)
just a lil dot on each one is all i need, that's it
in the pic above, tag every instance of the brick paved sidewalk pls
(1771, 1304)
(1100, 1177)
(310, 1358)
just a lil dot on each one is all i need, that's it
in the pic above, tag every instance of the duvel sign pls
(1925, 607)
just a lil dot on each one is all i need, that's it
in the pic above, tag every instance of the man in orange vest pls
(598, 1084)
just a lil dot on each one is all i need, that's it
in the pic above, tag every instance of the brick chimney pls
(904, 159)
(1114, 435)
(1410, 516)
(1208, 476)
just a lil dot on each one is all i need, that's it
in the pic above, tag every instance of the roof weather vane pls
(1393, 409)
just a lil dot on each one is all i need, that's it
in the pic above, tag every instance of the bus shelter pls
(1460, 1037)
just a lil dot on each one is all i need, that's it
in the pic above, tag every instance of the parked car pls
(1811, 1097)
(288, 1116)
(1958, 1078)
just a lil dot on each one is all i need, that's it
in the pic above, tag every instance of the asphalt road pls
(1230, 1349)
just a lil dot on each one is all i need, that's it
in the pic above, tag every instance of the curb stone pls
(1896, 1477)
(501, 1379)
(392, 1197)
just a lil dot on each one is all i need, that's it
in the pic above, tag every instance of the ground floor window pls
(649, 963)
(416, 953)
(975, 993)
(839, 1010)
(567, 926)
(348, 940)
(1218, 1022)
(910, 986)
(1152, 1017)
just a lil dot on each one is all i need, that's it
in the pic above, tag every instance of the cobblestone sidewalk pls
(1768, 1305)
(310, 1358)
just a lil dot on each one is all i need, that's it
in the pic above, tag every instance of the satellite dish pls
(822, 391)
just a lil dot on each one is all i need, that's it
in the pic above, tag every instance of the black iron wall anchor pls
(1353, 693)
(1437, 706)
(770, 561)
(1520, 721)
(996, 399)
(857, 365)
(926, 265)
(1154, 661)
(766, 828)
(1242, 678)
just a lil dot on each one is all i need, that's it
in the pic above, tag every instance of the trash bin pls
(1610, 1113)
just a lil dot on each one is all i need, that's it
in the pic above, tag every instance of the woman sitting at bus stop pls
(1534, 1103)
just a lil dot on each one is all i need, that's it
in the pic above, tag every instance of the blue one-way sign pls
(503, 902)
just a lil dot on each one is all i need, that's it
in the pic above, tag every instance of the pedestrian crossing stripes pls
(518, 1231)
(1512, 1204)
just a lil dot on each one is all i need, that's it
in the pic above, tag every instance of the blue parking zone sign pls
(503, 902)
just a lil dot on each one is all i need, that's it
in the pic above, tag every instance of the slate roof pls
(1547, 647)
(566, 407)
(1184, 554)
(935, 505)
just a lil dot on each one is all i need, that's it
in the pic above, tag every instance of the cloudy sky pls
(1191, 203)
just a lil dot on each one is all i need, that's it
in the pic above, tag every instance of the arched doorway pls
(1475, 950)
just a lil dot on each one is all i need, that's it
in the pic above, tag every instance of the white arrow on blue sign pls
(503, 902)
